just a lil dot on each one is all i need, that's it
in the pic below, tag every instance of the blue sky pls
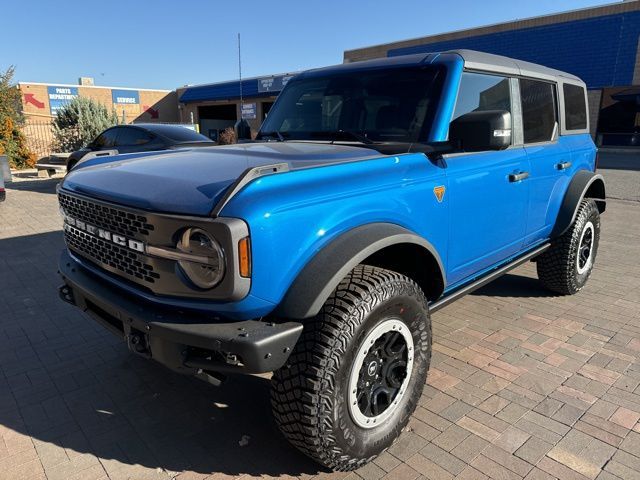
(166, 44)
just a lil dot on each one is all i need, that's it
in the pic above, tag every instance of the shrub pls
(79, 122)
(227, 137)
(12, 141)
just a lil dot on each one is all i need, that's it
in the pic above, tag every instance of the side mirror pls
(243, 130)
(482, 130)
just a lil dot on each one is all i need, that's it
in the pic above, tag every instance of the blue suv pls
(375, 194)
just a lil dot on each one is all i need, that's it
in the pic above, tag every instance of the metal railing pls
(39, 137)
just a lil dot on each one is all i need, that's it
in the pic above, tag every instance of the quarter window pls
(575, 107)
(479, 92)
(539, 118)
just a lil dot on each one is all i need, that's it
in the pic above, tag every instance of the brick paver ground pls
(523, 384)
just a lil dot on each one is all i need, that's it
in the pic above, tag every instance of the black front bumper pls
(185, 342)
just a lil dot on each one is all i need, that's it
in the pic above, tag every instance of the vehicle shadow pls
(514, 285)
(47, 185)
(67, 383)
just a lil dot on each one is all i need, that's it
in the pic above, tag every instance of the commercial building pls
(216, 106)
(42, 101)
(600, 45)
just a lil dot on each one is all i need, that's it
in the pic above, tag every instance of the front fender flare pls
(583, 184)
(319, 278)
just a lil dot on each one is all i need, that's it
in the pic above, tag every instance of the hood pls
(192, 181)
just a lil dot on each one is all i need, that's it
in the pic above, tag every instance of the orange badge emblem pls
(439, 192)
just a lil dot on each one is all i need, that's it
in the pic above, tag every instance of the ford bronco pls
(374, 194)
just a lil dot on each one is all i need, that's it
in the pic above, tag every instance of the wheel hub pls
(585, 249)
(380, 373)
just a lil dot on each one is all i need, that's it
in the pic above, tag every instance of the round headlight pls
(205, 267)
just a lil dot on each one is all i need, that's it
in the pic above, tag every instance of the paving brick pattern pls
(523, 384)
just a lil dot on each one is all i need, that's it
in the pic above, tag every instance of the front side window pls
(481, 92)
(380, 106)
(575, 107)
(539, 118)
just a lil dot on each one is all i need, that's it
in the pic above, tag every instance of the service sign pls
(249, 111)
(60, 96)
(125, 97)
(273, 84)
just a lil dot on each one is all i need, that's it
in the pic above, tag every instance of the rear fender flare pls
(585, 184)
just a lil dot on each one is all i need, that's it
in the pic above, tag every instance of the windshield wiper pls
(338, 135)
(275, 134)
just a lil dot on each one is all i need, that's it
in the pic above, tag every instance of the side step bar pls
(482, 281)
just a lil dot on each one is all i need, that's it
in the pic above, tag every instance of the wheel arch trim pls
(584, 184)
(322, 274)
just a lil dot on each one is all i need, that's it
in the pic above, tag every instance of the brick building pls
(600, 45)
(41, 101)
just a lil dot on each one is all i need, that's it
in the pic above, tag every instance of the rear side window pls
(480, 92)
(575, 107)
(179, 134)
(106, 139)
(539, 118)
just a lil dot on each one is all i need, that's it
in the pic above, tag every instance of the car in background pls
(3, 193)
(141, 137)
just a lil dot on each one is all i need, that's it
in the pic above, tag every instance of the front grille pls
(104, 216)
(106, 253)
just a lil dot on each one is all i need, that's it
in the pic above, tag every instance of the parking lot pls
(523, 384)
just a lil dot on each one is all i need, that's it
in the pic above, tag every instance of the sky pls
(167, 44)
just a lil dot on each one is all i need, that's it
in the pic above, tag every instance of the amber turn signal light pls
(244, 255)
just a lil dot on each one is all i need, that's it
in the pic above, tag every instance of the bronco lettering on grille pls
(70, 222)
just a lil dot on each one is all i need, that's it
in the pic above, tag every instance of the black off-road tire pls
(309, 395)
(558, 268)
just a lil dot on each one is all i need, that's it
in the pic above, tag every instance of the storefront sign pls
(249, 111)
(59, 97)
(125, 97)
(273, 84)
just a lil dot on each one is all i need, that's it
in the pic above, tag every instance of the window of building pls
(481, 92)
(575, 107)
(539, 117)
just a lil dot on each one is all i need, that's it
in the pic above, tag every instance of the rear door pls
(549, 157)
(488, 205)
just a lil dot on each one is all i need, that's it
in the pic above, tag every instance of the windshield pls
(393, 105)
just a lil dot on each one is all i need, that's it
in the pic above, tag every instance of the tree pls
(12, 141)
(79, 122)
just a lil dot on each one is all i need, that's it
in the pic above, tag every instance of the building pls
(216, 106)
(600, 45)
(41, 102)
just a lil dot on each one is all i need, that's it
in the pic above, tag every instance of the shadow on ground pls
(40, 186)
(514, 285)
(65, 381)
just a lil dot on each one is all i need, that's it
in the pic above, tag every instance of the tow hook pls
(66, 294)
(137, 343)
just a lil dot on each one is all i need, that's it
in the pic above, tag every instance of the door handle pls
(517, 177)
(563, 165)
